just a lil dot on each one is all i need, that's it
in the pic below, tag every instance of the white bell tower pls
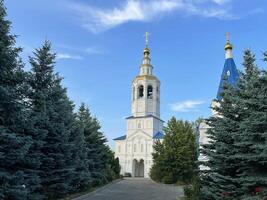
(146, 89)
(144, 126)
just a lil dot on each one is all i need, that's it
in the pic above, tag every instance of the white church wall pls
(136, 148)
(135, 124)
(120, 147)
(203, 137)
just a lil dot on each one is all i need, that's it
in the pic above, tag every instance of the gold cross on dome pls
(147, 35)
(227, 34)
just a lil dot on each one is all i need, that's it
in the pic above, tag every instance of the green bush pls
(174, 157)
(192, 191)
(168, 179)
(156, 173)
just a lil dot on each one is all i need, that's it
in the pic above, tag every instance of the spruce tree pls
(54, 122)
(18, 177)
(98, 151)
(219, 181)
(156, 172)
(112, 167)
(251, 142)
(175, 158)
(82, 179)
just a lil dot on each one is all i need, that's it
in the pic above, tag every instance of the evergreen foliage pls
(100, 157)
(251, 141)
(82, 178)
(237, 151)
(116, 167)
(18, 177)
(192, 191)
(52, 114)
(46, 150)
(174, 159)
(220, 180)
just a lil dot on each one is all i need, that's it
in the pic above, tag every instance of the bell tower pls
(144, 126)
(146, 89)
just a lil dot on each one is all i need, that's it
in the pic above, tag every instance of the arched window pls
(134, 147)
(139, 125)
(142, 148)
(140, 91)
(150, 92)
(157, 93)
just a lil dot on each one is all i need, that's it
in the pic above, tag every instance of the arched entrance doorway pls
(138, 168)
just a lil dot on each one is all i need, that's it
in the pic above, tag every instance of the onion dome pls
(227, 46)
(146, 50)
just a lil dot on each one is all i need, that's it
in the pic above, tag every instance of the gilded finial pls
(228, 45)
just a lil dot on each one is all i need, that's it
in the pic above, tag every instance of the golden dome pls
(228, 45)
(146, 50)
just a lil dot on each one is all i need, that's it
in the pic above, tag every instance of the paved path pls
(135, 189)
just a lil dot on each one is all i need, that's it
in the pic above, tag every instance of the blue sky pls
(99, 45)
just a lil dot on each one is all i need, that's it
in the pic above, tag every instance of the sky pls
(99, 46)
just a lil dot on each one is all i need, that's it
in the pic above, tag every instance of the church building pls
(144, 126)
(229, 74)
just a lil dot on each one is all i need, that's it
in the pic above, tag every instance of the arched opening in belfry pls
(149, 92)
(138, 168)
(133, 93)
(140, 91)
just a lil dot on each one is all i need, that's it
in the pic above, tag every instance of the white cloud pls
(68, 56)
(220, 2)
(94, 50)
(88, 50)
(97, 19)
(186, 106)
(212, 13)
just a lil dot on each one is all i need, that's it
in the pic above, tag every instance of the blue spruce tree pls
(54, 122)
(18, 164)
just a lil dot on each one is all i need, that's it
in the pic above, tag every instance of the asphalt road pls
(135, 189)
